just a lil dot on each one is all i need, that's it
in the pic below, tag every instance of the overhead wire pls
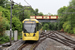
(27, 2)
(24, 7)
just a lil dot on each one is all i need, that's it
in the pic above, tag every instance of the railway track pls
(22, 46)
(66, 41)
(52, 35)
(33, 47)
(35, 44)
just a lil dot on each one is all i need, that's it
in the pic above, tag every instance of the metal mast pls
(11, 21)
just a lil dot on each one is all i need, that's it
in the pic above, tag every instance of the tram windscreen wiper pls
(30, 28)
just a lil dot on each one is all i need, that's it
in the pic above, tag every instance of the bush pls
(4, 39)
(67, 27)
(74, 30)
(45, 27)
(5, 12)
(3, 25)
(16, 24)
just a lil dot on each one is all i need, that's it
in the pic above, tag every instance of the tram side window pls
(37, 27)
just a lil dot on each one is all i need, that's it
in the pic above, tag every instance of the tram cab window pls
(29, 27)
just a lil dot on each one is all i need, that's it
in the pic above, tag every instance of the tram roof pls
(30, 20)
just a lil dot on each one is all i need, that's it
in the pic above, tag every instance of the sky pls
(45, 6)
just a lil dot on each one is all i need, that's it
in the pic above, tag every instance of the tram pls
(30, 31)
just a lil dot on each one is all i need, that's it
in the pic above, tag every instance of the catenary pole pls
(10, 21)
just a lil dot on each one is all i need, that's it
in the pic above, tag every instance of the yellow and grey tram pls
(30, 30)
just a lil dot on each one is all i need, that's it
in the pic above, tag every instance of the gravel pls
(50, 44)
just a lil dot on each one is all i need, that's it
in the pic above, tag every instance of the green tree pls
(62, 11)
(5, 12)
(22, 12)
(3, 3)
(67, 19)
(4, 23)
(46, 26)
(16, 24)
(36, 12)
(40, 14)
(67, 27)
(7, 5)
(72, 3)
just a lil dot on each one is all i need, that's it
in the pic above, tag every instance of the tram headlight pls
(24, 34)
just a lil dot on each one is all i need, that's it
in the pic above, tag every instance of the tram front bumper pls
(30, 38)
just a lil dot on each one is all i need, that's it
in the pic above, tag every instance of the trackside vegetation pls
(67, 17)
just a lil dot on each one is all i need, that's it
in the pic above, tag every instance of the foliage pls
(36, 12)
(3, 24)
(4, 39)
(2, 2)
(5, 12)
(2, 9)
(74, 30)
(40, 14)
(19, 36)
(16, 24)
(50, 26)
(61, 11)
(67, 26)
(46, 27)
(72, 3)
(67, 17)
